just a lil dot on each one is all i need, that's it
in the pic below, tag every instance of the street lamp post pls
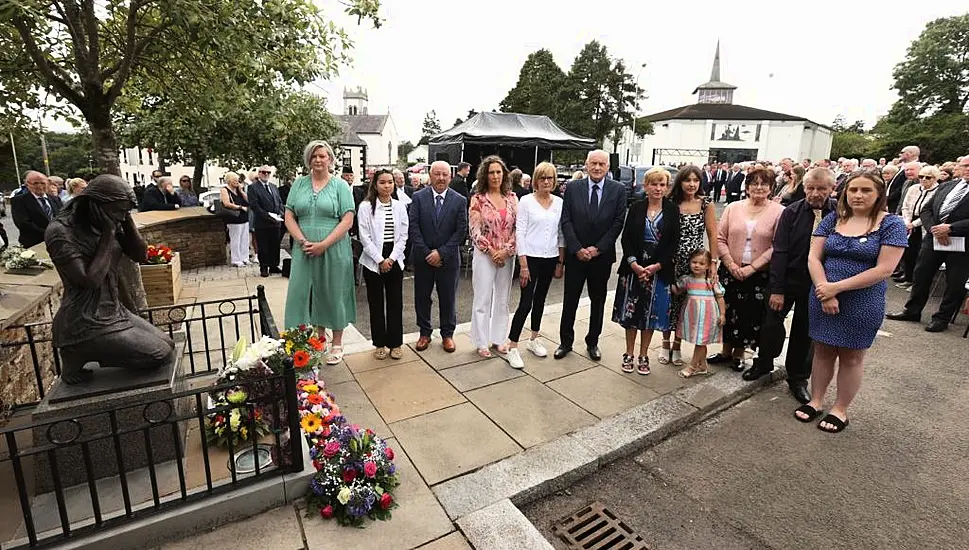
(633, 138)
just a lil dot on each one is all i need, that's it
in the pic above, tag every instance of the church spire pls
(715, 91)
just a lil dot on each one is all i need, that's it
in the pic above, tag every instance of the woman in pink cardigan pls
(744, 241)
(491, 221)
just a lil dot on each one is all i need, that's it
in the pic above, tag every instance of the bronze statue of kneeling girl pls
(86, 242)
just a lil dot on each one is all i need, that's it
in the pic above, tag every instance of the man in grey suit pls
(593, 213)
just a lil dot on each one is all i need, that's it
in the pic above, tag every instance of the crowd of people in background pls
(820, 238)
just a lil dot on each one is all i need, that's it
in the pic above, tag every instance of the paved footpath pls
(473, 433)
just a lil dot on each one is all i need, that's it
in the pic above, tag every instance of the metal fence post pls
(292, 417)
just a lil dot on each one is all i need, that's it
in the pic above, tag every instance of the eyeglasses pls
(546, 178)
(926, 177)
(264, 171)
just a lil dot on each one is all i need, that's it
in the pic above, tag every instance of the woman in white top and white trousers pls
(541, 256)
(382, 230)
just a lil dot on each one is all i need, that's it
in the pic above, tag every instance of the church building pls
(365, 140)
(715, 129)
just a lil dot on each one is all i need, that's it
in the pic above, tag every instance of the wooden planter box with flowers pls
(162, 276)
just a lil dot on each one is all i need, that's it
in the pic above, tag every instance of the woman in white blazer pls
(383, 233)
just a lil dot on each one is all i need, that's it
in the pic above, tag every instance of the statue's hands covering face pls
(101, 220)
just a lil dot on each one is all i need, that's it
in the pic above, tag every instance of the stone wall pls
(200, 240)
(18, 382)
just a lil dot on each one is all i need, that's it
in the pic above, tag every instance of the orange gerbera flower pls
(315, 343)
(301, 358)
(314, 398)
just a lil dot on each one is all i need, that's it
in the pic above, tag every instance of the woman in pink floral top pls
(491, 221)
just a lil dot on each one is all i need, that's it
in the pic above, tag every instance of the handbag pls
(225, 213)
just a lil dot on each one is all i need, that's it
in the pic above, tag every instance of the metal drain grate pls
(596, 528)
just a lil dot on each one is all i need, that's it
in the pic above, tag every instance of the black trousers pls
(385, 296)
(532, 298)
(267, 246)
(595, 274)
(426, 278)
(717, 189)
(800, 352)
(956, 272)
(911, 254)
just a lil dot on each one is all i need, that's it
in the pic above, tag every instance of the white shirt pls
(436, 195)
(370, 231)
(538, 232)
(601, 183)
(402, 196)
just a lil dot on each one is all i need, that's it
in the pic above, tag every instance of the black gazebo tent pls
(520, 140)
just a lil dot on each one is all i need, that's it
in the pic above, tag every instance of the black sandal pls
(839, 425)
(808, 410)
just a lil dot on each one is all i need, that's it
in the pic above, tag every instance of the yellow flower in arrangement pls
(311, 388)
(311, 423)
(282, 335)
(289, 348)
(243, 432)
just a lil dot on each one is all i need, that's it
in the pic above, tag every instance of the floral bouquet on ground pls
(238, 424)
(158, 254)
(305, 347)
(355, 476)
(317, 410)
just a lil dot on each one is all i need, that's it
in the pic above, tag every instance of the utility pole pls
(13, 147)
(638, 74)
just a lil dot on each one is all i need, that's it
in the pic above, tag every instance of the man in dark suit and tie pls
(264, 200)
(438, 225)
(735, 184)
(945, 217)
(32, 210)
(459, 182)
(593, 213)
(721, 175)
(706, 180)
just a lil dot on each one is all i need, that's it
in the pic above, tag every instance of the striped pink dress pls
(698, 320)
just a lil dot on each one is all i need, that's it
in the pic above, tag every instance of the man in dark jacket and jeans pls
(266, 208)
(790, 285)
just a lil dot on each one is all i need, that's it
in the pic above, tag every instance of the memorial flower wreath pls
(307, 349)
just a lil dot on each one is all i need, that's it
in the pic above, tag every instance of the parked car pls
(632, 179)
(208, 198)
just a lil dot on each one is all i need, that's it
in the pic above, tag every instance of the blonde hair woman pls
(234, 198)
(74, 187)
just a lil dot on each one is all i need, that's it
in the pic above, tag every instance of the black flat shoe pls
(594, 353)
(801, 393)
(936, 326)
(561, 352)
(839, 425)
(737, 365)
(808, 410)
(755, 372)
(718, 358)
(904, 316)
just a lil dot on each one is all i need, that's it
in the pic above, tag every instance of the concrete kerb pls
(541, 470)
(501, 526)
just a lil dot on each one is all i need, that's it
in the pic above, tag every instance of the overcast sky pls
(813, 59)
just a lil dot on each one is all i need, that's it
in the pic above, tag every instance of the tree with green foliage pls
(850, 141)
(933, 87)
(536, 92)
(70, 156)
(404, 148)
(86, 53)
(598, 95)
(431, 127)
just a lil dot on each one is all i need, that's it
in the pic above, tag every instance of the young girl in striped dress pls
(703, 311)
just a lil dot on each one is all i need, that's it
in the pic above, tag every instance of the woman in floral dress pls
(697, 216)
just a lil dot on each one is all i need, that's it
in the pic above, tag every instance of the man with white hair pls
(266, 212)
(909, 154)
(438, 226)
(593, 212)
(33, 209)
(868, 164)
(895, 191)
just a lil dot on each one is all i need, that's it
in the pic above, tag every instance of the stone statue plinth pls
(137, 398)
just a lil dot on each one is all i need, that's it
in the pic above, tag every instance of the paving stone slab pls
(365, 361)
(357, 408)
(529, 411)
(335, 374)
(534, 473)
(454, 541)
(722, 388)
(452, 441)
(277, 529)
(407, 390)
(636, 428)
(502, 526)
(548, 368)
(483, 373)
(418, 520)
(602, 392)
(436, 357)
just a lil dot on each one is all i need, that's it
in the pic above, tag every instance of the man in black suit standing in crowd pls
(460, 180)
(706, 180)
(266, 208)
(946, 218)
(790, 285)
(893, 188)
(33, 209)
(593, 213)
(735, 184)
(721, 175)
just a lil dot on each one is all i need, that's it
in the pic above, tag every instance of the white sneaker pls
(515, 359)
(537, 348)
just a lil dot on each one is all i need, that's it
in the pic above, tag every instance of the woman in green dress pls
(319, 212)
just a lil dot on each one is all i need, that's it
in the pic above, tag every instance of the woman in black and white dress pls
(383, 226)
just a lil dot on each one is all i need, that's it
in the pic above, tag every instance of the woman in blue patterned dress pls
(649, 240)
(319, 212)
(853, 251)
